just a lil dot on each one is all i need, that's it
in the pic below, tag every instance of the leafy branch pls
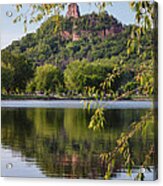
(123, 148)
(145, 15)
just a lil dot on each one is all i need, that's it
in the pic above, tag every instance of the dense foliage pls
(45, 46)
(16, 72)
(47, 79)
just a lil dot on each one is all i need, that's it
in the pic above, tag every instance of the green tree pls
(80, 74)
(22, 71)
(47, 79)
(7, 73)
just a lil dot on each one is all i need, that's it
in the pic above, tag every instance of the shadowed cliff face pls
(73, 11)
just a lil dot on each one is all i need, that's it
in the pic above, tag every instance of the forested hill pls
(79, 53)
(93, 37)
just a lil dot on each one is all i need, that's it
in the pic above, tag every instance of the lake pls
(52, 139)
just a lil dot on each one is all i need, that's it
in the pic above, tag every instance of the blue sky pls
(11, 31)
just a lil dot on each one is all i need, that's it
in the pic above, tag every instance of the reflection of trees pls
(61, 143)
(16, 128)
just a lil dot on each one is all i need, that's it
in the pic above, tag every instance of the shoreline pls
(48, 98)
(76, 104)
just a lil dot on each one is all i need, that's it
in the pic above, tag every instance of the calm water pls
(54, 141)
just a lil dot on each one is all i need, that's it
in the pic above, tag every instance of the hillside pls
(99, 36)
(80, 53)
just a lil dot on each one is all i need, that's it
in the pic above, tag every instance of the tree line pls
(21, 76)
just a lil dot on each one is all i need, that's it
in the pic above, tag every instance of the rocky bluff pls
(73, 11)
(83, 26)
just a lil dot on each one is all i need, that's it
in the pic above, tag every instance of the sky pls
(10, 31)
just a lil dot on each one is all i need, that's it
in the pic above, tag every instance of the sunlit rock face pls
(73, 11)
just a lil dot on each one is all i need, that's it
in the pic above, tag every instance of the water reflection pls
(60, 144)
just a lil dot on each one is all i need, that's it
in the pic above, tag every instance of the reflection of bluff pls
(101, 25)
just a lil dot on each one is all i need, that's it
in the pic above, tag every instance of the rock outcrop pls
(73, 11)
